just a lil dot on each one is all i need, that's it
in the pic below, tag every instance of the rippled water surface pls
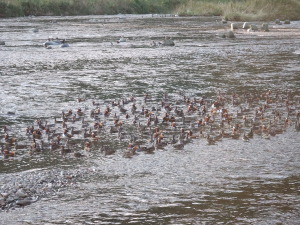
(229, 182)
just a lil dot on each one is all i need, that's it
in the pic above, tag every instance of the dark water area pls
(210, 179)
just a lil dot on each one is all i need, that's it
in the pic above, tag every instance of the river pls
(230, 181)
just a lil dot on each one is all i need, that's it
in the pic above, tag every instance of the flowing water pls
(230, 182)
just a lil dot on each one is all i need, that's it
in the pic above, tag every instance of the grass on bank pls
(12, 8)
(246, 10)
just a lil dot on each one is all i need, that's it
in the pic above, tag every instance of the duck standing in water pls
(7, 152)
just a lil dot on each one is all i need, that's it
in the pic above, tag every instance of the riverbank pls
(245, 10)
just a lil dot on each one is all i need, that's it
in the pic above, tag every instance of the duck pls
(245, 138)
(79, 112)
(148, 149)
(19, 146)
(69, 113)
(174, 125)
(297, 126)
(58, 138)
(54, 146)
(113, 129)
(133, 108)
(179, 145)
(7, 153)
(66, 134)
(130, 151)
(78, 155)
(107, 151)
(210, 140)
(74, 132)
(173, 140)
(122, 109)
(107, 112)
(201, 134)
(35, 147)
(95, 103)
(9, 140)
(235, 135)
(87, 146)
(87, 133)
(159, 143)
(94, 137)
(5, 129)
(186, 138)
(266, 135)
(250, 133)
(65, 150)
(191, 135)
(80, 99)
(219, 136)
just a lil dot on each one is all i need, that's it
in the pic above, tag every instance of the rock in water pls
(64, 45)
(253, 27)
(265, 27)
(21, 193)
(168, 42)
(224, 21)
(2, 202)
(230, 34)
(277, 21)
(24, 202)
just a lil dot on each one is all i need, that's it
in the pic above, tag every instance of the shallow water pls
(233, 182)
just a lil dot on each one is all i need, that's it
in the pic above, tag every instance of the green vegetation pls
(229, 9)
(247, 10)
(11, 8)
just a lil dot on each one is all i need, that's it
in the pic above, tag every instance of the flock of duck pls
(147, 123)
